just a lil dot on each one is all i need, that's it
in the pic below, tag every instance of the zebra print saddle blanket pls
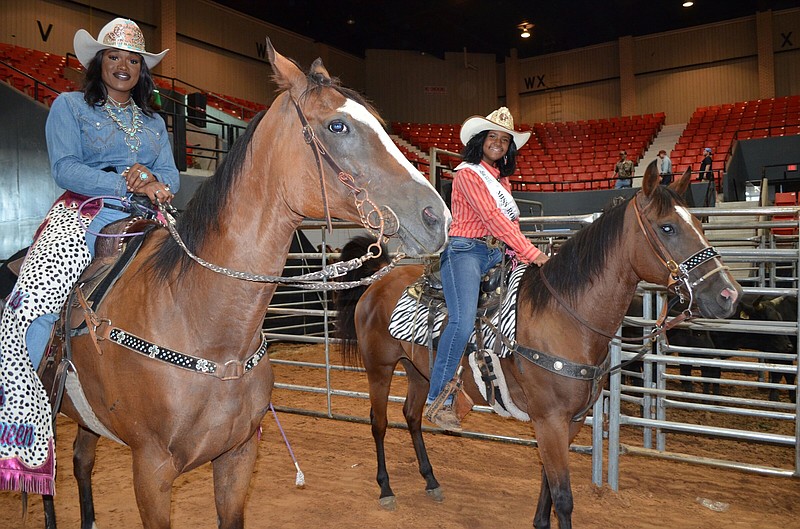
(412, 321)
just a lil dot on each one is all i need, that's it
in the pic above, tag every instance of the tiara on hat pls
(125, 35)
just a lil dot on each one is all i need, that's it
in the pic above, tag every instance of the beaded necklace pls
(132, 140)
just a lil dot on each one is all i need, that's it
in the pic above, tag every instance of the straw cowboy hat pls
(120, 33)
(500, 119)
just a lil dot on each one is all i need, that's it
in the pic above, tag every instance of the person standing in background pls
(623, 171)
(664, 168)
(705, 166)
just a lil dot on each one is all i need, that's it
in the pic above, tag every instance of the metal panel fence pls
(644, 412)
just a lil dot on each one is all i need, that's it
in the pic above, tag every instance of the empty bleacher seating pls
(785, 199)
(572, 156)
(45, 79)
(718, 126)
(38, 74)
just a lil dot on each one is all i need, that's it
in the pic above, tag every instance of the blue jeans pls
(464, 262)
(623, 183)
(39, 331)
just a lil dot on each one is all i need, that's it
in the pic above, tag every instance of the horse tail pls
(345, 300)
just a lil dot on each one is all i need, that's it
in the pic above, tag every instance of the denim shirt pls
(83, 140)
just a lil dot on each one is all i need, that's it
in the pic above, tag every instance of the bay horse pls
(593, 279)
(319, 149)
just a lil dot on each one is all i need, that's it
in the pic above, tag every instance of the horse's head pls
(676, 252)
(337, 151)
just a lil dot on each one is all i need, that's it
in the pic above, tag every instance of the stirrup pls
(450, 389)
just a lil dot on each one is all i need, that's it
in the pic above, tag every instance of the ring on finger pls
(142, 176)
(158, 191)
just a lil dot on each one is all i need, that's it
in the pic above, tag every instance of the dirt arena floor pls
(487, 484)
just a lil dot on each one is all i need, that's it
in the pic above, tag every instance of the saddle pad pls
(409, 321)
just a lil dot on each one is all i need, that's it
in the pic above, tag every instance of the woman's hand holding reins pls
(541, 259)
(137, 176)
(140, 180)
(157, 192)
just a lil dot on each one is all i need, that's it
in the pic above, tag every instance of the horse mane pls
(345, 300)
(202, 214)
(582, 259)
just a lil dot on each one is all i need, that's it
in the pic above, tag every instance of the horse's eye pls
(668, 229)
(338, 127)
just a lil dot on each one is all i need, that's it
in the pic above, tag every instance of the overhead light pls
(351, 21)
(525, 29)
(688, 3)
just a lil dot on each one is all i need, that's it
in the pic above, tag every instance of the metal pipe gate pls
(760, 256)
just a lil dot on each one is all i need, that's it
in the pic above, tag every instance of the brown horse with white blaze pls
(318, 149)
(568, 312)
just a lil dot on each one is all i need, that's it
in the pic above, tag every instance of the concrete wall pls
(767, 157)
(26, 189)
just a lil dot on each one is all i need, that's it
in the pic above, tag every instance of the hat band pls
(123, 44)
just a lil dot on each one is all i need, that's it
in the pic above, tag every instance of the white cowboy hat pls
(500, 119)
(120, 33)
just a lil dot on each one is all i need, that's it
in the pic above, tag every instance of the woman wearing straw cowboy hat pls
(482, 207)
(103, 141)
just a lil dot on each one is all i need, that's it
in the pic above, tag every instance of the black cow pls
(695, 338)
(755, 308)
(751, 307)
(785, 308)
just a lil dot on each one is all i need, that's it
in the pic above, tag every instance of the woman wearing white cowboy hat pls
(103, 141)
(482, 207)
(116, 99)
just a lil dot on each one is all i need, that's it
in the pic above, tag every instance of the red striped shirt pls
(475, 213)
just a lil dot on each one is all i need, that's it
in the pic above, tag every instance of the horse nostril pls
(729, 294)
(429, 217)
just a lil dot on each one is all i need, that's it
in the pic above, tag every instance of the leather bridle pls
(380, 221)
(679, 282)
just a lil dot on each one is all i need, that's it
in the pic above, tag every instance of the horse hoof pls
(435, 494)
(389, 503)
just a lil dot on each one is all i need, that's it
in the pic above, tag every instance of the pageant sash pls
(501, 196)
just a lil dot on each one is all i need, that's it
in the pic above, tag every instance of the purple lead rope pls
(300, 481)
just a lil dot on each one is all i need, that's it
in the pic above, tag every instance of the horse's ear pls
(287, 74)
(650, 179)
(682, 184)
(319, 72)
